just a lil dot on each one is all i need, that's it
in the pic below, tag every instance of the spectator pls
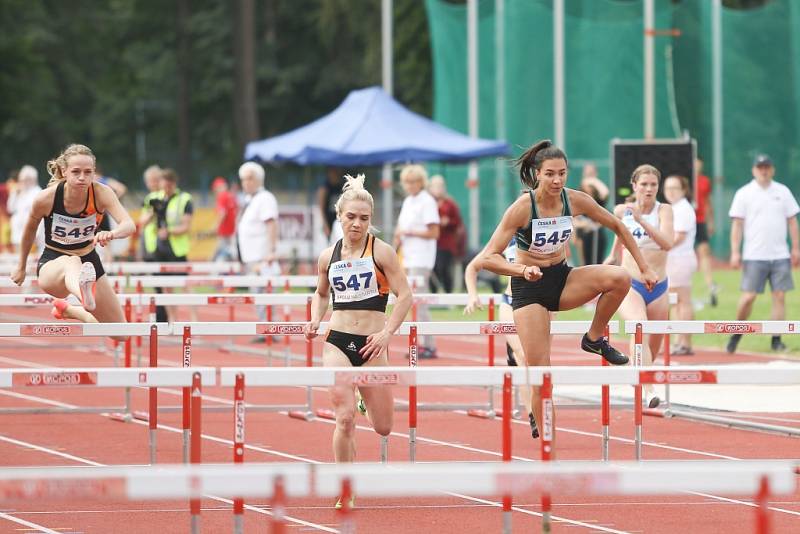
(6, 188)
(20, 205)
(327, 196)
(451, 231)
(107, 224)
(257, 229)
(681, 259)
(227, 208)
(416, 234)
(590, 236)
(172, 210)
(763, 209)
(148, 225)
(704, 211)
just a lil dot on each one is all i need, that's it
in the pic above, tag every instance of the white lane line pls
(745, 503)
(555, 518)
(36, 527)
(86, 461)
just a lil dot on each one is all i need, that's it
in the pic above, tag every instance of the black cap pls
(762, 160)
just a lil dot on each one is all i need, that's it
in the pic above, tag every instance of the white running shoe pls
(86, 282)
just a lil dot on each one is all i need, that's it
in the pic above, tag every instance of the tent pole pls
(716, 105)
(472, 94)
(388, 83)
(501, 197)
(649, 74)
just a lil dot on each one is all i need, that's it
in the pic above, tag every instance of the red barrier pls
(547, 437)
(187, 362)
(238, 433)
(345, 513)
(128, 343)
(507, 431)
(197, 429)
(278, 521)
(491, 336)
(637, 392)
(153, 391)
(762, 510)
(605, 408)
(412, 395)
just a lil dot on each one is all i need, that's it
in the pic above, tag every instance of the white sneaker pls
(86, 282)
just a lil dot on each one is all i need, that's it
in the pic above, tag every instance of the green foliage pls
(106, 74)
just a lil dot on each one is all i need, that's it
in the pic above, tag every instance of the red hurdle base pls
(120, 417)
(485, 414)
(304, 416)
(141, 416)
(326, 414)
(654, 412)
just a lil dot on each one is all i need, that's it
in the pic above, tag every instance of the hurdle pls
(140, 267)
(756, 479)
(638, 328)
(98, 377)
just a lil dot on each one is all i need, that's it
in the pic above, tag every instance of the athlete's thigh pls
(533, 327)
(51, 277)
(658, 310)
(107, 307)
(633, 307)
(379, 399)
(343, 397)
(506, 316)
(585, 283)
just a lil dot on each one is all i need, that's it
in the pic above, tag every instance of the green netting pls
(604, 86)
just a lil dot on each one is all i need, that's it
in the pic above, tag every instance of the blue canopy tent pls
(371, 128)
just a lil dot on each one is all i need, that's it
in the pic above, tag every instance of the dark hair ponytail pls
(531, 161)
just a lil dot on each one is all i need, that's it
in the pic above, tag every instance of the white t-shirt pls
(684, 220)
(417, 213)
(765, 211)
(20, 206)
(251, 230)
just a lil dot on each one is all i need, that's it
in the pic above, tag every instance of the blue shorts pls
(756, 272)
(649, 296)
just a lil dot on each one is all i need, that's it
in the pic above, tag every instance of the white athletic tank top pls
(643, 239)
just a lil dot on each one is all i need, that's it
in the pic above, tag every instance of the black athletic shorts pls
(545, 291)
(702, 233)
(49, 254)
(349, 344)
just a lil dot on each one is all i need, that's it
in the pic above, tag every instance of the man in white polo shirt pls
(764, 209)
(257, 229)
(416, 234)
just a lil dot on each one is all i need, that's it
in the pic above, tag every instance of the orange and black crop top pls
(358, 283)
(66, 231)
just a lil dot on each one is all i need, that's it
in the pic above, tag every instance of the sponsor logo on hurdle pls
(498, 328)
(677, 377)
(231, 300)
(51, 329)
(38, 300)
(547, 415)
(791, 327)
(373, 378)
(285, 329)
(11, 490)
(187, 353)
(579, 483)
(203, 282)
(57, 378)
(732, 328)
(412, 355)
(143, 378)
(238, 425)
(175, 268)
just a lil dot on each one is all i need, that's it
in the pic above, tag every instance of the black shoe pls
(534, 428)
(510, 360)
(733, 342)
(779, 346)
(601, 347)
(427, 354)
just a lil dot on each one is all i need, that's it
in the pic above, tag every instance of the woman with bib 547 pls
(541, 280)
(357, 273)
(72, 206)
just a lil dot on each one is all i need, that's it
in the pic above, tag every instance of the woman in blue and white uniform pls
(357, 273)
(542, 282)
(649, 222)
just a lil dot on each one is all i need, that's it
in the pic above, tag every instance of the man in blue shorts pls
(762, 211)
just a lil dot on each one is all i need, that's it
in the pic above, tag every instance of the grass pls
(728, 282)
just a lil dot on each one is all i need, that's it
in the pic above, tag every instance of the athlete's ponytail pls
(354, 190)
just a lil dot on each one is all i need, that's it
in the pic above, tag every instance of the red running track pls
(75, 439)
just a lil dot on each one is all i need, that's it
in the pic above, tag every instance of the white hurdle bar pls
(275, 481)
(716, 327)
(140, 267)
(192, 378)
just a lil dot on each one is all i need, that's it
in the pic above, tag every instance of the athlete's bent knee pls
(346, 422)
(383, 428)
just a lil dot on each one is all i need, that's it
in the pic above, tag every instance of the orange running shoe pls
(59, 306)
(86, 282)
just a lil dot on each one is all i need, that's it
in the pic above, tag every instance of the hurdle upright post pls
(309, 363)
(548, 435)
(762, 504)
(346, 524)
(238, 447)
(231, 318)
(152, 420)
(637, 391)
(491, 317)
(667, 363)
(278, 521)
(139, 291)
(187, 362)
(128, 359)
(412, 396)
(605, 409)
(268, 338)
(507, 388)
(287, 316)
(197, 429)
